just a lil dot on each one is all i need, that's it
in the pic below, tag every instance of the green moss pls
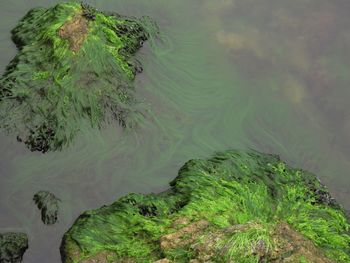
(57, 83)
(238, 244)
(303, 260)
(12, 246)
(243, 195)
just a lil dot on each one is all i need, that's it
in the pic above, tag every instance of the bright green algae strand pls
(230, 189)
(50, 91)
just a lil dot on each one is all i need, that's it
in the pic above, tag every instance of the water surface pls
(269, 75)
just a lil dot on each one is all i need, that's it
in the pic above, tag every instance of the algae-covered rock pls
(12, 247)
(48, 203)
(239, 206)
(74, 67)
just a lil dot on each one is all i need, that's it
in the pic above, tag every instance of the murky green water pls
(270, 75)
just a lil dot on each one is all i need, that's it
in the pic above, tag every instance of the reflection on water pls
(270, 75)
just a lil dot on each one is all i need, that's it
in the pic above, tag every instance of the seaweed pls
(243, 206)
(12, 247)
(48, 203)
(75, 66)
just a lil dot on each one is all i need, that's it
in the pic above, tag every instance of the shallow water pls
(269, 75)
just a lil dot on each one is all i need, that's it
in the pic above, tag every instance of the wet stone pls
(48, 203)
(12, 247)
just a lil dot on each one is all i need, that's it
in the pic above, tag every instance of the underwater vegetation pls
(48, 203)
(238, 206)
(12, 247)
(74, 67)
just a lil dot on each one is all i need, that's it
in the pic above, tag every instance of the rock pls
(75, 66)
(176, 239)
(238, 206)
(12, 247)
(48, 203)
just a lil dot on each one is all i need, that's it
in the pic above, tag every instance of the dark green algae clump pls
(238, 206)
(12, 247)
(48, 204)
(74, 67)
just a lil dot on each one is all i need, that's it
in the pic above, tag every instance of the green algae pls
(48, 204)
(74, 66)
(219, 112)
(248, 192)
(12, 247)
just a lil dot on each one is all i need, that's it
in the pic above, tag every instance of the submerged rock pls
(74, 67)
(12, 247)
(239, 206)
(48, 203)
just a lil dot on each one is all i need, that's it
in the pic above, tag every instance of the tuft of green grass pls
(243, 244)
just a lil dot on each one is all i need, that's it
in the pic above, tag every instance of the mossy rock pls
(48, 203)
(239, 206)
(75, 66)
(12, 247)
